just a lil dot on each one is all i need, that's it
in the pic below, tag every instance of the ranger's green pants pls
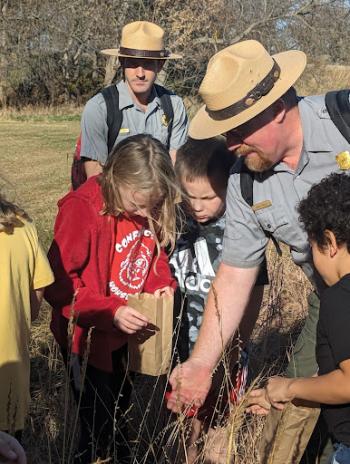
(303, 359)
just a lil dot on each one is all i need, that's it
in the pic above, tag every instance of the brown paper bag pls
(286, 434)
(153, 356)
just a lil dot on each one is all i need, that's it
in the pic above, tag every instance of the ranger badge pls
(165, 121)
(343, 160)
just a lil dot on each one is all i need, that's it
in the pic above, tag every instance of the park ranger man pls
(142, 56)
(288, 144)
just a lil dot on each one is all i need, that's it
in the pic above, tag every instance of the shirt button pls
(268, 226)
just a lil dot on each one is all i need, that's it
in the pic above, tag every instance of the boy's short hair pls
(208, 158)
(327, 207)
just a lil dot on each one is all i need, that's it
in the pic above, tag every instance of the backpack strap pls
(168, 109)
(338, 107)
(246, 182)
(246, 178)
(114, 114)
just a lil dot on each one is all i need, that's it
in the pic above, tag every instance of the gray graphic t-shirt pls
(195, 260)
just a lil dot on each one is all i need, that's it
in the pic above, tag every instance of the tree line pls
(50, 50)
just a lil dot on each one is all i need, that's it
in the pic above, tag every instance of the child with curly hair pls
(325, 213)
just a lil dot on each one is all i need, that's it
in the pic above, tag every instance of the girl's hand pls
(258, 402)
(11, 452)
(165, 291)
(129, 320)
(144, 334)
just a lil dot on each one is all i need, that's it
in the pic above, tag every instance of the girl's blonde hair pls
(143, 164)
(10, 216)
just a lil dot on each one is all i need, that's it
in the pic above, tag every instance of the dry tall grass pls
(319, 78)
(33, 113)
(50, 435)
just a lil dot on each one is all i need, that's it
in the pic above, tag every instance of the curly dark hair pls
(327, 207)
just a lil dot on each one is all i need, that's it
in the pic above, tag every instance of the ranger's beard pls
(257, 161)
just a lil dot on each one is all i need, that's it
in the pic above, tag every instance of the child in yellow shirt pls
(24, 272)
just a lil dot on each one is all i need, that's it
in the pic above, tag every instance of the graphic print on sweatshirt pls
(133, 253)
(195, 260)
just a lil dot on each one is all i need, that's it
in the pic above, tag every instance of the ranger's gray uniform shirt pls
(282, 189)
(94, 130)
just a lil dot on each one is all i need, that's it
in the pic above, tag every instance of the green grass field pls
(35, 166)
(35, 160)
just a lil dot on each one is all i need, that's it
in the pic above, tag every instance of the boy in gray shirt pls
(202, 169)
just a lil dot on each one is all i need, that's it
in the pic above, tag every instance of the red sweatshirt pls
(81, 257)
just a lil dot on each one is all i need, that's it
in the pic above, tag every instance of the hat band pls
(260, 90)
(143, 53)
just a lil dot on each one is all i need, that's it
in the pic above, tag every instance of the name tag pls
(262, 205)
(124, 130)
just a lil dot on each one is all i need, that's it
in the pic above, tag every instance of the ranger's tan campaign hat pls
(142, 39)
(241, 81)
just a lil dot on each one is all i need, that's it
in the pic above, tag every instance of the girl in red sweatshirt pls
(109, 241)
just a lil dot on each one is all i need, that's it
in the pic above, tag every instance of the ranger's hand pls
(190, 383)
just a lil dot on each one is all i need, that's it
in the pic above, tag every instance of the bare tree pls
(50, 50)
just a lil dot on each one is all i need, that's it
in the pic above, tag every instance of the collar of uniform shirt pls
(126, 101)
(315, 139)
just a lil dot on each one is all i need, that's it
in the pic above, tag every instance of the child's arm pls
(332, 388)
(36, 297)
(42, 277)
(68, 255)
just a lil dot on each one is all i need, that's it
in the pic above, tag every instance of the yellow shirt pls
(23, 266)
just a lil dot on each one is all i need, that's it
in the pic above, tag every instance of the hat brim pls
(115, 52)
(292, 64)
